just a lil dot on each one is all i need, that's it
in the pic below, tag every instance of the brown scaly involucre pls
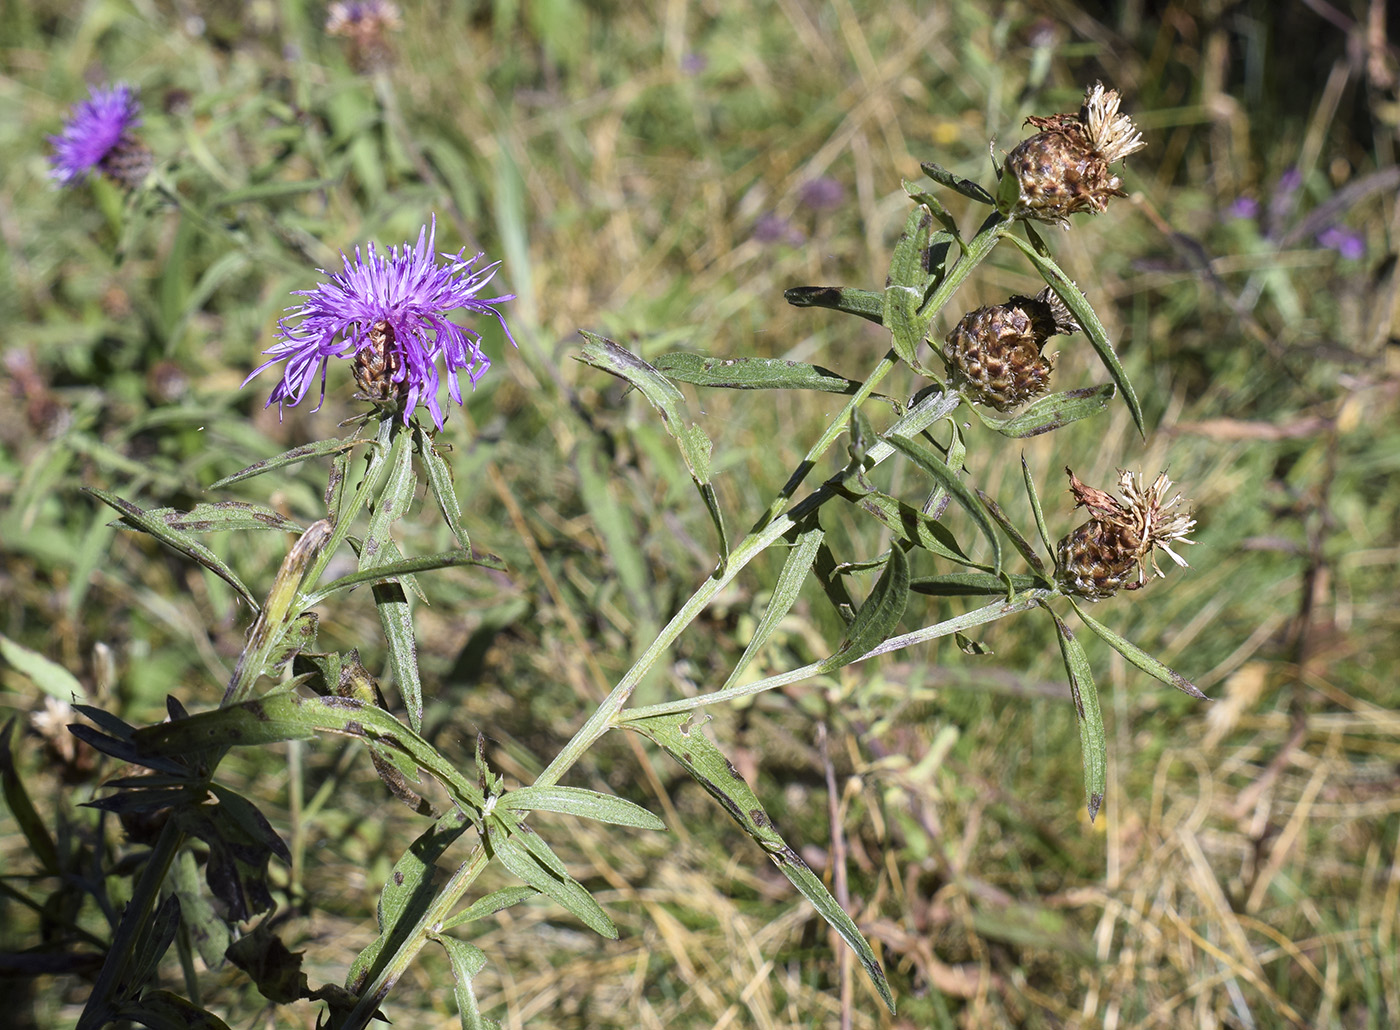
(996, 353)
(1063, 169)
(1097, 559)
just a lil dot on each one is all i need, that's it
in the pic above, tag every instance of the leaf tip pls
(1095, 803)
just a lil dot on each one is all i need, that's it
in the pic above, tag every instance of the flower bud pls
(1063, 169)
(995, 352)
(1097, 559)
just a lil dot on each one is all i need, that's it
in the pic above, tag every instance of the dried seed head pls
(996, 352)
(1063, 169)
(1097, 559)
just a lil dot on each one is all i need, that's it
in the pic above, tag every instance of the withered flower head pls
(996, 352)
(365, 24)
(1097, 559)
(1063, 169)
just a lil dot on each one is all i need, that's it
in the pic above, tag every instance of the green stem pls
(980, 617)
(429, 923)
(918, 418)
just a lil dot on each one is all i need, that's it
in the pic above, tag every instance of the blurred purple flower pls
(388, 313)
(694, 63)
(772, 228)
(1346, 242)
(1243, 207)
(823, 194)
(1285, 197)
(98, 136)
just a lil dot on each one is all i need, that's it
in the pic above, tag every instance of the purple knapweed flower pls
(98, 136)
(1349, 243)
(1243, 207)
(388, 313)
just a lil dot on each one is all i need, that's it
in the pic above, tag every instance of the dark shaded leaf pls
(296, 454)
(1051, 412)
(752, 373)
(865, 303)
(878, 616)
(949, 481)
(274, 969)
(966, 187)
(1093, 742)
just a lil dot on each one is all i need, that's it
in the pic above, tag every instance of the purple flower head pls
(823, 194)
(1349, 243)
(388, 313)
(1244, 207)
(98, 135)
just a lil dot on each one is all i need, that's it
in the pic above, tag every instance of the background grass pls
(646, 174)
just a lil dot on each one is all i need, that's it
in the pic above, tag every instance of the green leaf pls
(878, 616)
(377, 551)
(561, 888)
(1036, 509)
(467, 961)
(1084, 314)
(948, 480)
(1013, 534)
(605, 808)
(50, 677)
(1051, 412)
(865, 303)
(1008, 193)
(223, 515)
(1093, 742)
(752, 373)
(795, 569)
(492, 903)
(403, 567)
(919, 195)
(969, 584)
(1138, 656)
(440, 480)
(910, 280)
(274, 968)
(208, 931)
(164, 1010)
(695, 446)
(175, 539)
(685, 742)
(407, 894)
(966, 187)
(22, 809)
(272, 190)
(913, 527)
(296, 454)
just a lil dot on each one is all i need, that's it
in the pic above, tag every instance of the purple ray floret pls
(98, 126)
(405, 291)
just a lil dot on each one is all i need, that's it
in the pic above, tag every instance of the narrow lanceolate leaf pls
(296, 454)
(919, 195)
(1144, 661)
(392, 603)
(1084, 313)
(1051, 412)
(606, 808)
(1013, 534)
(865, 303)
(908, 286)
(752, 373)
(22, 809)
(1093, 742)
(913, 527)
(496, 901)
(521, 862)
(176, 539)
(685, 742)
(1035, 507)
(970, 584)
(404, 567)
(223, 515)
(467, 960)
(407, 893)
(966, 187)
(668, 401)
(440, 480)
(878, 616)
(795, 569)
(50, 677)
(957, 489)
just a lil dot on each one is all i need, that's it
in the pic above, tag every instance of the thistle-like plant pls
(390, 315)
